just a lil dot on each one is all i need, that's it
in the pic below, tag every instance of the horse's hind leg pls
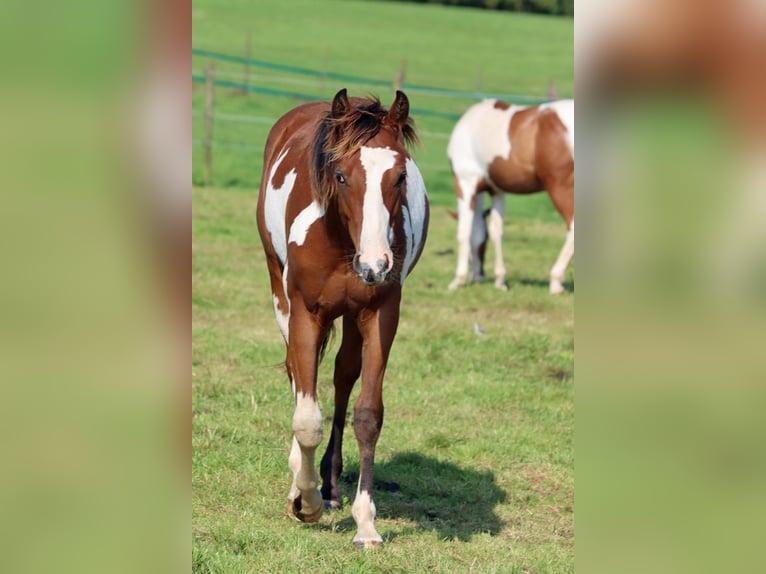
(470, 231)
(348, 365)
(561, 192)
(496, 235)
(560, 267)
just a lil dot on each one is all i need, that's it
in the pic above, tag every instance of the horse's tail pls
(329, 336)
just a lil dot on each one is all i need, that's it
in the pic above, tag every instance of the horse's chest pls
(332, 295)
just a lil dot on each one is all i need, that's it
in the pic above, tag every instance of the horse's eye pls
(402, 178)
(340, 178)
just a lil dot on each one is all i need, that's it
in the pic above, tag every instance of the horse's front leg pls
(304, 500)
(348, 365)
(378, 329)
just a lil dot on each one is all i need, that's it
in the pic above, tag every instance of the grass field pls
(479, 429)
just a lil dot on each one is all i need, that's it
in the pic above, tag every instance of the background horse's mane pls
(340, 137)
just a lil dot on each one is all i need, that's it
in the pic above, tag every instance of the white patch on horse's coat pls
(274, 207)
(565, 111)
(300, 226)
(414, 215)
(374, 243)
(363, 511)
(283, 319)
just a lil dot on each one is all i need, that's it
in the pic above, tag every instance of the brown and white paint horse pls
(343, 216)
(498, 147)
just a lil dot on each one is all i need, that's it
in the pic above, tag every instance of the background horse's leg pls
(302, 358)
(561, 192)
(348, 365)
(478, 240)
(560, 267)
(496, 235)
(378, 329)
(465, 225)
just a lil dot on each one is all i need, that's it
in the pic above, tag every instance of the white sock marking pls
(363, 511)
(283, 319)
(307, 420)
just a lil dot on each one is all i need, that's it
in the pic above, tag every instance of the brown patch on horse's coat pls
(278, 179)
(500, 105)
(556, 164)
(517, 172)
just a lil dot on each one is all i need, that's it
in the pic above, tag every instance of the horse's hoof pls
(556, 288)
(332, 504)
(295, 510)
(502, 285)
(456, 282)
(367, 543)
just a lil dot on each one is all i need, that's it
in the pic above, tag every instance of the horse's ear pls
(400, 110)
(340, 104)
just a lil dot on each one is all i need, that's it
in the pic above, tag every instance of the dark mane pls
(340, 138)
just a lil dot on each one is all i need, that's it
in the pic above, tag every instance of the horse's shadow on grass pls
(569, 286)
(437, 495)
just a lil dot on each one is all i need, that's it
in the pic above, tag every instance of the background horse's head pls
(359, 170)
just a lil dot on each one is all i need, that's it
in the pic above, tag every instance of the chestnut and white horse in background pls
(501, 148)
(343, 217)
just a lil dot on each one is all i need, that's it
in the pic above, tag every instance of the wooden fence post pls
(552, 95)
(208, 142)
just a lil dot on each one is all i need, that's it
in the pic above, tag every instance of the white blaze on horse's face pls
(374, 259)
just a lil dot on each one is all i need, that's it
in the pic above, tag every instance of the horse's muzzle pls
(375, 274)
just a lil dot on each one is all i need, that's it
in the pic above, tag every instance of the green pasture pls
(478, 432)
(475, 463)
